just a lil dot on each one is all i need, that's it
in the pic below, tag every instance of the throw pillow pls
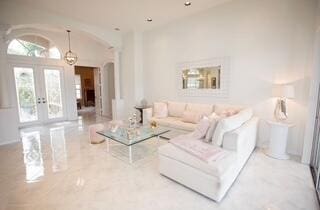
(202, 128)
(228, 112)
(214, 120)
(160, 110)
(229, 124)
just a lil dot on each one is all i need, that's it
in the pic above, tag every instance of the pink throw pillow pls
(160, 110)
(202, 128)
(214, 120)
(228, 112)
(191, 117)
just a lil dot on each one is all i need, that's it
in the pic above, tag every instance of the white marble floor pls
(54, 167)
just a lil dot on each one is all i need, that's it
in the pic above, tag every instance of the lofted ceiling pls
(124, 14)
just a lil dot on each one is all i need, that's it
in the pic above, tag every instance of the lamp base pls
(280, 112)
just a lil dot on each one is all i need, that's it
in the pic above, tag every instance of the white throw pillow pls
(176, 109)
(191, 117)
(160, 110)
(229, 124)
(202, 128)
(214, 119)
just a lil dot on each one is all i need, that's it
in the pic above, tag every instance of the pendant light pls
(70, 57)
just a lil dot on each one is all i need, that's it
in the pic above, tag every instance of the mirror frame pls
(222, 92)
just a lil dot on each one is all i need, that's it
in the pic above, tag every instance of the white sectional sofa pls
(215, 178)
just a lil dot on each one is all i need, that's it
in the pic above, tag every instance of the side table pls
(278, 139)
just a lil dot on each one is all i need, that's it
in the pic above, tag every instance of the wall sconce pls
(283, 92)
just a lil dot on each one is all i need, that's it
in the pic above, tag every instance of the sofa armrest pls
(242, 138)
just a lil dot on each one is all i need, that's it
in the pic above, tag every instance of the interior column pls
(5, 100)
(117, 102)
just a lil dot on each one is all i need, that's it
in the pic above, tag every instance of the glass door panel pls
(52, 78)
(26, 94)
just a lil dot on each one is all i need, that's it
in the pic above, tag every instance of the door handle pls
(43, 100)
(39, 101)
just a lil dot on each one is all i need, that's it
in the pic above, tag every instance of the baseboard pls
(9, 142)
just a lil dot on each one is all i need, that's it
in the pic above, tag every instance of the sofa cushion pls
(191, 117)
(165, 121)
(202, 150)
(176, 109)
(175, 122)
(160, 109)
(205, 109)
(230, 123)
(214, 168)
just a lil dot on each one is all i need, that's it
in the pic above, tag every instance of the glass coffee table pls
(141, 134)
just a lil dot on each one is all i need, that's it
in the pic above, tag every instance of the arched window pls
(35, 46)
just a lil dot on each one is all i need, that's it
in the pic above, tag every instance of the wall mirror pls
(201, 78)
(205, 78)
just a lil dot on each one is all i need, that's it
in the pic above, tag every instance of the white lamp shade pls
(285, 91)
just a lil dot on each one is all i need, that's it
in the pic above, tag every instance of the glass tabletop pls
(132, 136)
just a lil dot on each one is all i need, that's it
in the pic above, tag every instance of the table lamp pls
(283, 92)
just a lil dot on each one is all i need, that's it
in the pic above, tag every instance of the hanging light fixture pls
(70, 57)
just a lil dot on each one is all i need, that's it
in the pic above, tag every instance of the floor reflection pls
(58, 148)
(32, 156)
(80, 123)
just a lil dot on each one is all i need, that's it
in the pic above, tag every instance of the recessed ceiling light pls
(117, 29)
(149, 19)
(187, 3)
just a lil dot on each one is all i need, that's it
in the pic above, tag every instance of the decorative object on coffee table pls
(153, 124)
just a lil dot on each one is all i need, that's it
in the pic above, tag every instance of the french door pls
(315, 155)
(40, 94)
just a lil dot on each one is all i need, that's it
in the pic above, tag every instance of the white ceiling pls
(124, 14)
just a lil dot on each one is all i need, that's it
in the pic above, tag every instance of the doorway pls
(88, 88)
(40, 94)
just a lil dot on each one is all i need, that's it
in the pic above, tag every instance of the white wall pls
(268, 42)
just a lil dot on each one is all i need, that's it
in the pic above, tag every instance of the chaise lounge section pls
(212, 179)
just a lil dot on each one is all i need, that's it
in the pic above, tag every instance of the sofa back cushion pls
(191, 117)
(160, 109)
(230, 123)
(205, 109)
(176, 109)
